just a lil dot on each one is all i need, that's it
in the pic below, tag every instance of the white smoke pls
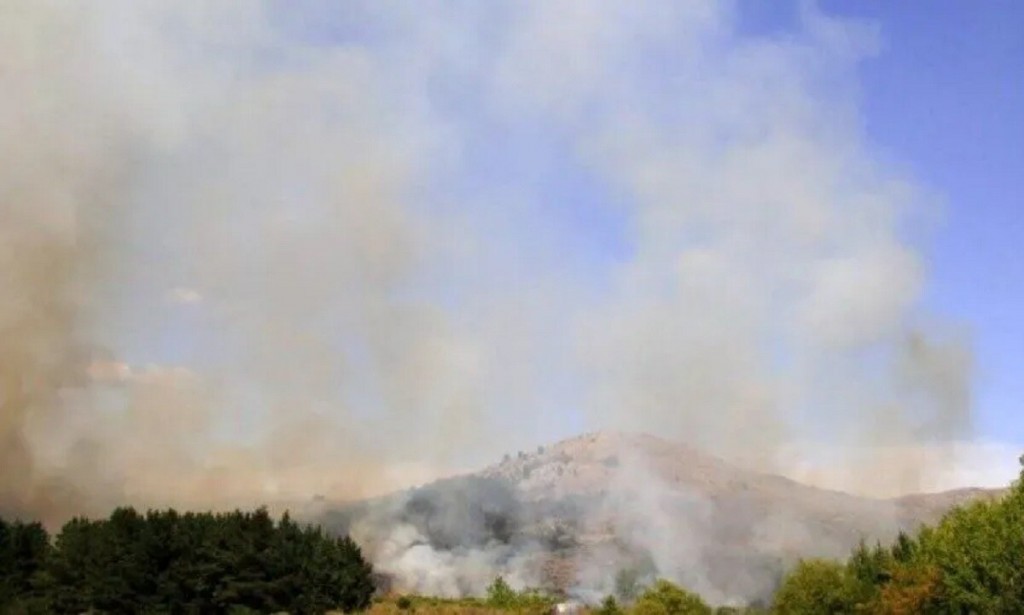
(332, 233)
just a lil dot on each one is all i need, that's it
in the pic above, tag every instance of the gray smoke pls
(448, 538)
(255, 251)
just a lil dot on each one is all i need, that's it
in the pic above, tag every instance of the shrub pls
(609, 606)
(500, 594)
(665, 598)
(627, 584)
(816, 586)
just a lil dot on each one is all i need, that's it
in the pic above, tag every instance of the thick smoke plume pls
(257, 251)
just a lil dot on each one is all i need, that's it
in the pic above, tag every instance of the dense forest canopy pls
(168, 562)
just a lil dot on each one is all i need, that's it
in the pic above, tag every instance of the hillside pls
(578, 514)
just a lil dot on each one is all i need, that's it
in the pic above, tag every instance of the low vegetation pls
(500, 598)
(661, 598)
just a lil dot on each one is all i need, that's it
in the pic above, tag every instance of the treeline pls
(971, 562)
(166, 562)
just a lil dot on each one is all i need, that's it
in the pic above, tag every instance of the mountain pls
(592, 464)
(594, 511)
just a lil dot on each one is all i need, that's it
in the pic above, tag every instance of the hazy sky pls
(936, 93)
(301, 236)
(945, 98)
(940, 97)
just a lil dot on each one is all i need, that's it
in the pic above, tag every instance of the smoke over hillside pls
(258, 251)
(582, 514)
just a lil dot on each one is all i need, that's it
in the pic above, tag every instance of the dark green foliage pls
(24, 548)
(609, 606)
(904, 548)
(867, 570)
(165, 562)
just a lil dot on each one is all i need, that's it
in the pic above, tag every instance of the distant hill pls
(589, 513)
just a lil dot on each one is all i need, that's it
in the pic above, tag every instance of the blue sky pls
(942, 99)
(945, 97)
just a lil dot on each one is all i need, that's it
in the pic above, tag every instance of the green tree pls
(904, 548)
(198, 563)
(500, 594)
(665, 598)
(979, 553)
(628, 584)
(609, 606)
(24, 550)
(817, 586)
(868, 570)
